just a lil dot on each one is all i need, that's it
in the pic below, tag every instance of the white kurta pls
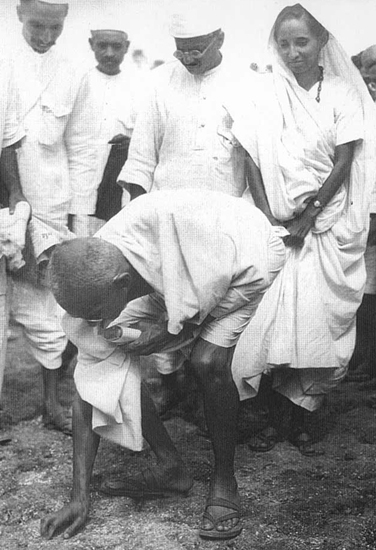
(182, 136)
(109, 111)
(53, 153)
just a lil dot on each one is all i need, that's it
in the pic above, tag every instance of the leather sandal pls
(264, 441)
(213, 533)
(305, 444)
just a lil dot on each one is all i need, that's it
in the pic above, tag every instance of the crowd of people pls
(204, 217)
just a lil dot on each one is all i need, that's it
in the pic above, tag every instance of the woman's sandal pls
(305, 444)
(213, 533)
(264, 441)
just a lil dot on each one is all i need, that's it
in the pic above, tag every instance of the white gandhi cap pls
(107, 23)
(57, 2)
(198, 18)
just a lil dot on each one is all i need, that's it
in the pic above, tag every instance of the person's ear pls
(324, 39)
(220, 39)
(19, 13)
(126, 46)
(91, 42)
(122, 281)
(372, 88)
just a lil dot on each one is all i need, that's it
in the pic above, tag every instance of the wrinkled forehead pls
(41, 11)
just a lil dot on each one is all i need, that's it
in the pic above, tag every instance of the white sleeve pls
(12, 129)
(81, 148)
(144, 147)
(348, 116)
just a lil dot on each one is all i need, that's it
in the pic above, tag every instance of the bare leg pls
(54, 414)
(212, 365)
(170, 475)
(85, 446)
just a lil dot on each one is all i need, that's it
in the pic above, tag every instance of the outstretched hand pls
(67, 520)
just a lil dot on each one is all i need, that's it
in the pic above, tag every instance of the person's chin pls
(297, 67)
(194, 69)
(110, 68)
(42, 48)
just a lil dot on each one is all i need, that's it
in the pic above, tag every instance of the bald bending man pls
(197, 299)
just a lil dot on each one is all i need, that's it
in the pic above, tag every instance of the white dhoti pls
(105, 376)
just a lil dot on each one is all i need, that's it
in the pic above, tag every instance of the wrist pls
(314, 207)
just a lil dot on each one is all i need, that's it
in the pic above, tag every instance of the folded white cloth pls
(12, 234)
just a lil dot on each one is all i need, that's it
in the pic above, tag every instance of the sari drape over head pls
(305, 326)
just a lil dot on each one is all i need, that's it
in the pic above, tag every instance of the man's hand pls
(68, 519)
(14, 199)
(153, 339)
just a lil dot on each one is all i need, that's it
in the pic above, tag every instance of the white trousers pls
(35, 308)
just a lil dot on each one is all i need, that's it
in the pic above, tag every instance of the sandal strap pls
(220, 519)
(223, 503)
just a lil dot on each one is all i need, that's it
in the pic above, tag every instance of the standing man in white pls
(110, 115)
(52, 156)
(182, 137)
(12, 237)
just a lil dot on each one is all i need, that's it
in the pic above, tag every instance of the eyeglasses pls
(194, 55)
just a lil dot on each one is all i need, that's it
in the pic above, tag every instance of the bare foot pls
(59, 419)
(151, 483)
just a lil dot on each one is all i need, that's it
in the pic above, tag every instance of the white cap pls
(196, 18)
(107, 23)
(59, 2)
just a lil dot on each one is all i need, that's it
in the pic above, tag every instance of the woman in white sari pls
(309, 132)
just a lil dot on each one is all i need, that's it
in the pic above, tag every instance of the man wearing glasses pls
(182, 137)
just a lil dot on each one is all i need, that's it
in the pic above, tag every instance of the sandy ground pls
(289, 502)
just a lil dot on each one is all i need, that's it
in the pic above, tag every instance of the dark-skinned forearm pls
(339, 174)
(9, 173)
(85, 447)
(257, 189)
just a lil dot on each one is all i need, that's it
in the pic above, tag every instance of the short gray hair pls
(81, 271)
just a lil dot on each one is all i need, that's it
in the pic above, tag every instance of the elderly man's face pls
(105, 309)
(109, 48)
(42, 23)
(208, 45)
